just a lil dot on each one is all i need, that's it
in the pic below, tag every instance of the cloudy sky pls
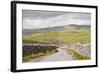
(42, 19)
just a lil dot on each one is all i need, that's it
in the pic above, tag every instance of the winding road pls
(62, 55)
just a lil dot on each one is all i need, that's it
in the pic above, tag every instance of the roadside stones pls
(83, 49)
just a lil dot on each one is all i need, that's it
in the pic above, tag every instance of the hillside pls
(56, 28)
(67, 36)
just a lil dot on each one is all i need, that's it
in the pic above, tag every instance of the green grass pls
(76, 55)
(34, 56)
(67, 36)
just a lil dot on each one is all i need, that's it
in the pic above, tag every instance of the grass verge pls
(76, 55)
(34, 56)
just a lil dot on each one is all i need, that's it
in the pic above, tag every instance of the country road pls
(62, 55)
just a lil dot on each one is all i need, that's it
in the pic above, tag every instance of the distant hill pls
(79, 26)
(29, 31)
(56, 28)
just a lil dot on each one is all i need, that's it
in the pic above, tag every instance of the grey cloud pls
(39, 14)
(33, 14)
(34, 19)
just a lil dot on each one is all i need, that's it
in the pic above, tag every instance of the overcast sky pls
(43, 19)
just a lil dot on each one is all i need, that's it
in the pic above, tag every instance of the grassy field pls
(68, 36)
